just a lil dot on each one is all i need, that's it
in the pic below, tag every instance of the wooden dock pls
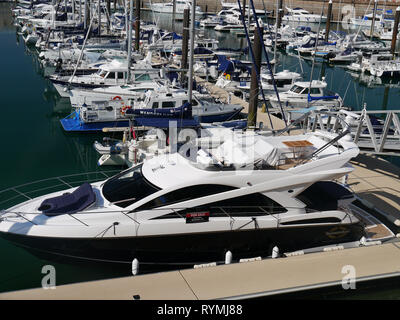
(223, 95)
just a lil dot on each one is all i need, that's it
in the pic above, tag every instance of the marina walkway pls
(236, 281)
(377, 182)
(222, 94)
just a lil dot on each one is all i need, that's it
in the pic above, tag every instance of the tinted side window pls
(184, 194)
(168, 104)
(251, 205)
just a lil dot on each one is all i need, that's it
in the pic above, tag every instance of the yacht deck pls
(375, 182)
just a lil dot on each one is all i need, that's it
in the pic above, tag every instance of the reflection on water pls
(6, 22)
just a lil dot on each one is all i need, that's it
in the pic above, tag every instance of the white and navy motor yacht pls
(247, 195)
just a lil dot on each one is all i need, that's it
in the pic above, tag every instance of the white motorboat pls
(109, 74)
(180, 5)
(249, 194)
(381, 20)
(133, 90)
(284, 80)
(304, 94)
(301, 15)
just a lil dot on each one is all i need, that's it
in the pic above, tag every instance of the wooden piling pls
(373, 19)
(395, 31)
(173, 15)
(99, 17)
(328, 21)
(185, 41)
(254, 88)
(137, 25)
(279, 14)
(244, 9)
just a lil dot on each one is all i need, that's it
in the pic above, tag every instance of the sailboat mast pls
(192, 34)
(129, 34)
(276, 34)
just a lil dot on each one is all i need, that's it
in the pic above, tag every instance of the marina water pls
(34, 146)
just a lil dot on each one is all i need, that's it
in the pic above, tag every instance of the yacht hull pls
(186, 249)
(74, 124)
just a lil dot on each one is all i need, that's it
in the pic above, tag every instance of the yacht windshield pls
(128, 187)
(296, 89)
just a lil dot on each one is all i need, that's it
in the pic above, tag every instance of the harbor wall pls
(340, 8)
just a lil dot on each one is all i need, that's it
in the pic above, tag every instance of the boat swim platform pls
(234, 281)
(375, 181)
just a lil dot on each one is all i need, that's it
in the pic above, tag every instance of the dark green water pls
(34, 147)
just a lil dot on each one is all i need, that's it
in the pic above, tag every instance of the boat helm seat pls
(68, 203)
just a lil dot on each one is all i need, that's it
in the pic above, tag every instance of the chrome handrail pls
(58, 182)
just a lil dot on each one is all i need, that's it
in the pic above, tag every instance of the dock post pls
(73, 9)
(86, 15)
(109, 7)
(80, 11)
(253, 101)
(137, 25)
(108, 15)
(191, 57)
(371, 33)
(173, 15)
(279, 14)
(99, 17)
(328, 21)
(185, 41)
(244, 8)
(395, 31)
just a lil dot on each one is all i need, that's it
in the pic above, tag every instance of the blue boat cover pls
(69, 203)
(310, 98)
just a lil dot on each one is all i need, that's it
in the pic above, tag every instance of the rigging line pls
(338, 17)
(247, 223)
(348, 86)
(359, 29)
(268, 64)
(253, 59)
(315, 49)
(102, 233)
(83, 46)
(355, 90)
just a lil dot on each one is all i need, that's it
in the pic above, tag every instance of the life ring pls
(124, 108)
